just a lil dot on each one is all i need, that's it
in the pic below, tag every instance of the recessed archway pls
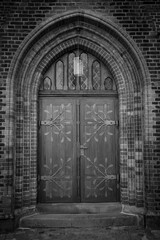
(78, 132)
(39, 50)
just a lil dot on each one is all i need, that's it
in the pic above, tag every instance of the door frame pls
(24, 78)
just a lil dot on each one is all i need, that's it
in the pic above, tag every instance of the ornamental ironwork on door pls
(78, 150)
(57, 143)
(98, 151)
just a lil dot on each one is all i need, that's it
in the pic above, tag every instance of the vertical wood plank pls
(98, 161)
(57, 150)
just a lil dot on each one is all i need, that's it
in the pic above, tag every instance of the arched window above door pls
(78, 71)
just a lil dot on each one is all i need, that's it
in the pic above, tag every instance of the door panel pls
(57, 166)
(78, 150)
(98, 150)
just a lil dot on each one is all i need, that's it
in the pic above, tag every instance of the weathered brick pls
(140, 19)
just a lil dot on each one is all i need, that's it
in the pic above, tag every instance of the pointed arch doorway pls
(78, 131)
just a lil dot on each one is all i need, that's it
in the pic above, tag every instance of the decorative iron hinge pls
(49, 123)
(111, 122)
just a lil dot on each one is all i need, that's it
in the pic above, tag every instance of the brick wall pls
(141, 21)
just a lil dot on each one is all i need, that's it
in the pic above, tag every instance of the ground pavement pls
(118, 233)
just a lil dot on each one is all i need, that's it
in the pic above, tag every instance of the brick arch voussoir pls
(86, 16)
(32, 42)
(89, 46)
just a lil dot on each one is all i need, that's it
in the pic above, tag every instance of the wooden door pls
(57, 150)
(98, 150)
(78, 158)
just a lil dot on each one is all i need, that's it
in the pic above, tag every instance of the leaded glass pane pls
(78, 70)
(47, 83)
(96, 74)
(108, 84)
(59, 75)
(71, 77)
(84, 77)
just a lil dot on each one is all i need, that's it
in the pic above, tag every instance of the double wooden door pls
(78, 155)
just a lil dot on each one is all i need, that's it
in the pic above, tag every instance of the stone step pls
(41, 220)
(59, 215)
(80, 208)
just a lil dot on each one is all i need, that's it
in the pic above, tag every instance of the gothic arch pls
(41, 47)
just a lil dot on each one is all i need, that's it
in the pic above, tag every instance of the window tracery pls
(95, 75)
(59, 75)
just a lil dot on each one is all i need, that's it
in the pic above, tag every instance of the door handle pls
(82, 148)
